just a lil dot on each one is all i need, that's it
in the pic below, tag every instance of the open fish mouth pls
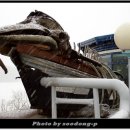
(38, 30)
(26, 34)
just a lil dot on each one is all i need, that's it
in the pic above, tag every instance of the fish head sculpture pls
(42, 31)
(39, 29)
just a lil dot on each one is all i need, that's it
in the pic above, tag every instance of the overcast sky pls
(82, 21)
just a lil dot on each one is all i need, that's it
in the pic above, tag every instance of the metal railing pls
(94, 83)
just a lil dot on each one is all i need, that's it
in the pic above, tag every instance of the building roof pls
(100, 43)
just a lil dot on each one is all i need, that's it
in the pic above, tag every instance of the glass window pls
(120, 65)
(106, 59)
(117, 62)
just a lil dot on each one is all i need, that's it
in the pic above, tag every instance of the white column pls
(96, 103)
(129, 76)
(53, 100)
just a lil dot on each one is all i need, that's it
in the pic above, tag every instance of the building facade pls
(110, 54)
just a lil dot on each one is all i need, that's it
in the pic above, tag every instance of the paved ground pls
(23, 114)
(27, 114)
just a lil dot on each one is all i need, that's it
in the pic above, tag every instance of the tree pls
(18, 102)
(3, 106)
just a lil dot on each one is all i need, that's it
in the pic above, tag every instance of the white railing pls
(95, 83)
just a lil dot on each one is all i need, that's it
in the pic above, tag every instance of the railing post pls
(129, 76)
(53, 100)
(96, 103)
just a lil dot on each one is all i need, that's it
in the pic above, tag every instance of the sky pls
(81, 21)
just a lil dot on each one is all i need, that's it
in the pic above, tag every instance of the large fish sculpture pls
(39, 47)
